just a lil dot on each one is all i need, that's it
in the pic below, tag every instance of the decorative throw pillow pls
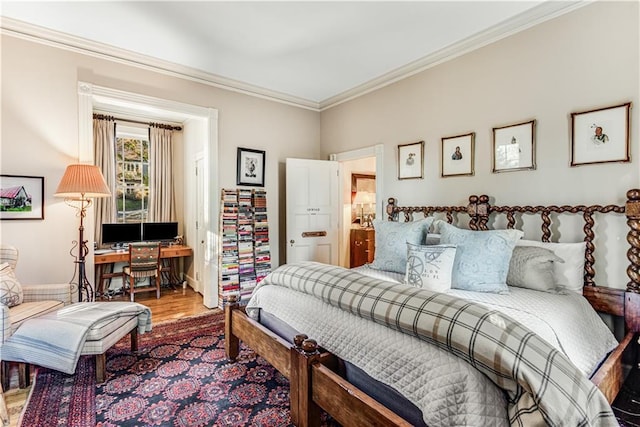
(429, 267)
(532, 268)
(570, 273)
(10, 289)
(391, 242)
(482, 257)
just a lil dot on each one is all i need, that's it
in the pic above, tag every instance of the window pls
(132, 174)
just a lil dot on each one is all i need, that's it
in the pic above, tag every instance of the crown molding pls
(34, 33)
(544, 12)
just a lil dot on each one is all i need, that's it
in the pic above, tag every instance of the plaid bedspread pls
(543, 386)
(55, 340)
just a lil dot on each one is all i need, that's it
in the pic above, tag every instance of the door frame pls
(376, 151)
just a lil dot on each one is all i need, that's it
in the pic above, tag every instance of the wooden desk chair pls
(144, 261)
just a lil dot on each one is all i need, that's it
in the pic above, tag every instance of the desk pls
(169, 254)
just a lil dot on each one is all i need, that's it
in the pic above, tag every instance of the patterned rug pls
(180, 376)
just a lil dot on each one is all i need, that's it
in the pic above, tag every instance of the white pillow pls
(430, 267)
(570, 273)
(10, 289)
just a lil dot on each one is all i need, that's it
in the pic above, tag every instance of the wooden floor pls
(173, 304)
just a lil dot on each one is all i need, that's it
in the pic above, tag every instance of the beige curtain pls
(161, 199)
(104, 147)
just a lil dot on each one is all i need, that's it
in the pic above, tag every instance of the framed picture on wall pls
(22, 197)
(410, 160)
(514, 147)
(457, 155)
(600, 136)
(250, 169)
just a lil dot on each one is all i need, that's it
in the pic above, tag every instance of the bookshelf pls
(245, 258)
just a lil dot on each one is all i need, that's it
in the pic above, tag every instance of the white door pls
(313, 208)
(200, 248)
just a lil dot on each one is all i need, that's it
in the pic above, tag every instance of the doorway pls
(363, 162)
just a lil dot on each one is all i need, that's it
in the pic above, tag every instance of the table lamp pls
(81, 183)
(364, 198)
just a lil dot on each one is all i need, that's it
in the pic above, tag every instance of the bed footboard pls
(325, 389)
(239, 327)
(314, 383)
(611, 374)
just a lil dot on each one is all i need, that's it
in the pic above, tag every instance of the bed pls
(334, 380)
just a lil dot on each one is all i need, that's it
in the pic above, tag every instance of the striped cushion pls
(27, 310)
(139, 273)
(111, 334)
(105, 327)
(9, 254)
(58, 292)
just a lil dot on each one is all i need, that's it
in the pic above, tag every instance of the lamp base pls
(85, 289)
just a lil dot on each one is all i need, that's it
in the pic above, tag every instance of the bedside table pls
(363, 246)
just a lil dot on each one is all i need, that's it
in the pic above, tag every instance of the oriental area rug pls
(180, 377)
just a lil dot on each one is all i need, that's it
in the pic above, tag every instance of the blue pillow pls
(482, 257)
(391, 242)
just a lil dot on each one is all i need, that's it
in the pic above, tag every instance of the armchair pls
(37, 300)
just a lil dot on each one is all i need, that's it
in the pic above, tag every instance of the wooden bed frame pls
(315, 384)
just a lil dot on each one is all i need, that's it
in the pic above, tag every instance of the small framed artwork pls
(600, 136)
(410, 160)
(457, 155)
(22, 197)
(514, 147)
(250, 167)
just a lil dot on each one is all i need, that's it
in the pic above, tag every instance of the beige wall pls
(580, 61)
(39, 137)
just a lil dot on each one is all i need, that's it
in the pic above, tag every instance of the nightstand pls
(363, 246)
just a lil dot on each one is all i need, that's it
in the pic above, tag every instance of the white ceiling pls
(311, 53)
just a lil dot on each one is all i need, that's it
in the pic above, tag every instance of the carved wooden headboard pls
(619, 302)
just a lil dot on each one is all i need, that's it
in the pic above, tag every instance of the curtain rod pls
(160, 125)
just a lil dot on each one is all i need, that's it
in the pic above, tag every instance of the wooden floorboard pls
(173, 304)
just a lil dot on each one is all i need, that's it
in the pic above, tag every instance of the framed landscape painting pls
(22, 197)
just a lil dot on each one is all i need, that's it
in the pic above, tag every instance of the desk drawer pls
(174, 253)
(111, 258)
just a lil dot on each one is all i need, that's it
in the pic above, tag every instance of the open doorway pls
(359, 202)
(359, 169)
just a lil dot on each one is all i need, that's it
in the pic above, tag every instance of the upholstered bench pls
(101, 338)
(107, 323)
(104, 335)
